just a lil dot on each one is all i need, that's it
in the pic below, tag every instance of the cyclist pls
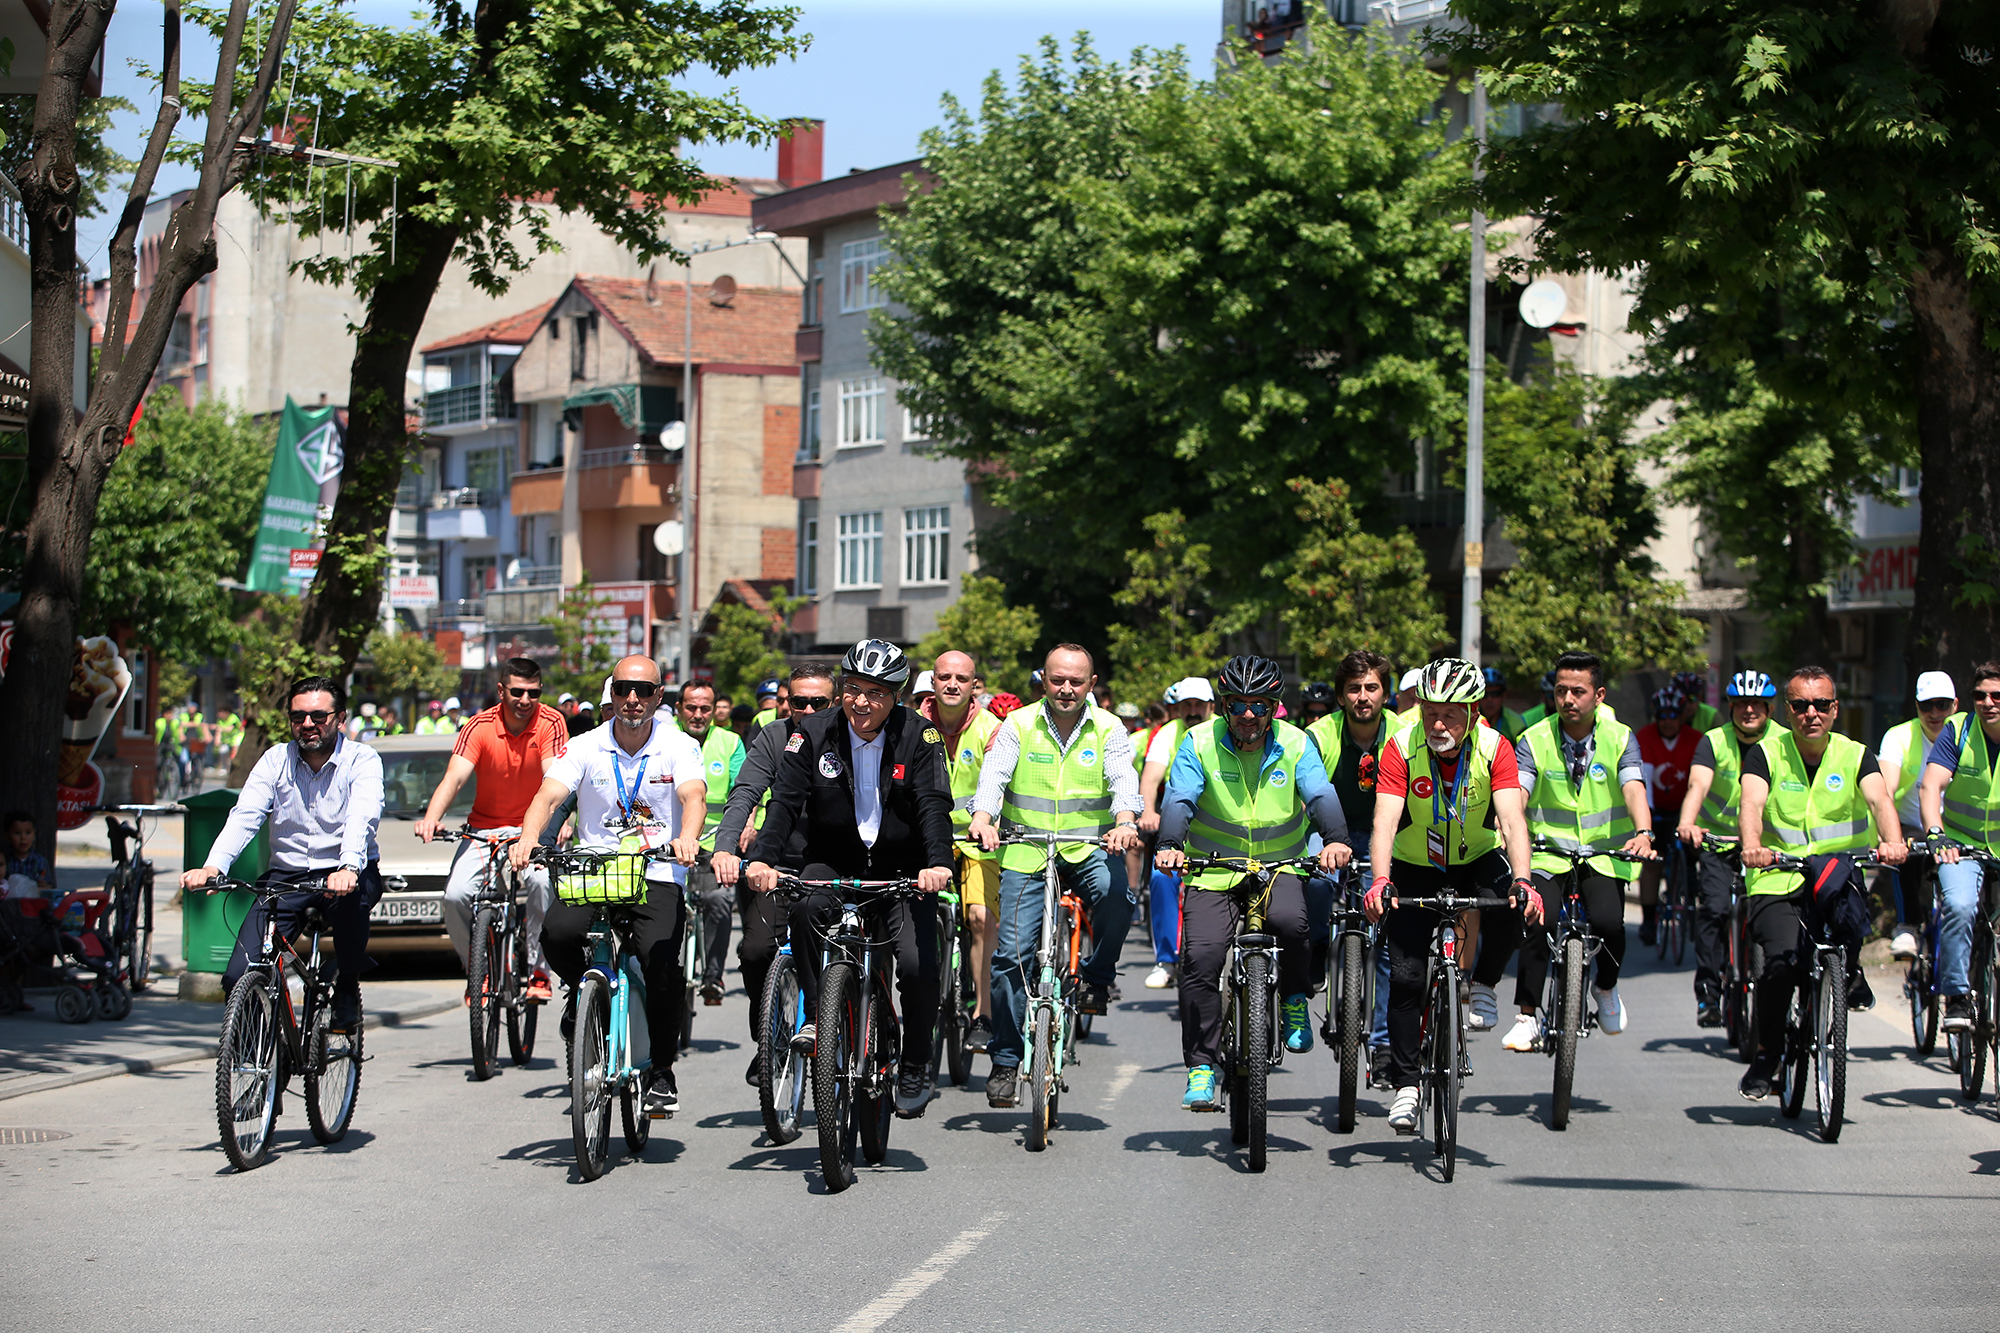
(1493, 709)
(770, 704)
(432, 723)
(1666, 753)
(1404, 710)
(809, 690)
(722, 759)
(1815, 792)
(630, 768)
(1904, 754)
(1059, 766)
(1693, 687)
(1244, 785)
(1189, 703)
(1448, 799)
(1316, 701)
(228, 737)
(1961, 810)
(1586, 787)
(1709, 810)
(967, 731)
(454, 715)
(867, 784)
(321, 794)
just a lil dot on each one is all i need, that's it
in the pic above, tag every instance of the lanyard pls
(1448, 804)
(627, 800)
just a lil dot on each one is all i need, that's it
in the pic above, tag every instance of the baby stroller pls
(59, 948)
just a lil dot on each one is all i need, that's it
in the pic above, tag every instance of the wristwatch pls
(1934, 831)
(1645, 833)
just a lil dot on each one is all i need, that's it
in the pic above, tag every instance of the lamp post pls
(1475, 399)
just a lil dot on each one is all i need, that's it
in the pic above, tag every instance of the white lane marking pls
(1119, 1082)
(919, 1279)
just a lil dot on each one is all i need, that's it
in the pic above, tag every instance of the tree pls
(493, 113)
(743, 647)
(583, 656)
(1347, 588)
(69, 453)
(1732, 150)
(1168, 635)
(407, 666)
(1131, 291)
(170, 528)
(996, 636)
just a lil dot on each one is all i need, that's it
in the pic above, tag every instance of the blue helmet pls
(1750, 685)
(1494, 680)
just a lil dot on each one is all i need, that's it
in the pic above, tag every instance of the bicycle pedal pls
(659, 1115)
(1063, 1085)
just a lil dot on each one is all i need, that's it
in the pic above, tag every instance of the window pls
(578, 346)
(485, 471)
(480, 571)
(926, 542)
(815, 296)
(809, 560)
(1907, 481)
(655, 567)
(809, 449)
(137, 718)
(886, 622)
(915, 427)
(860, 550)
(858, 262)
(862, 403)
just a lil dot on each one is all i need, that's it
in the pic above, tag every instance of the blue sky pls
(874, 73)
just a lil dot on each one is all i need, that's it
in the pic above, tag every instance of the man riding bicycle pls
(968, 730)
(1243, 785)
(630, 769)
(1189, 703)
(1961, 811)
(1448, 798)
(1905, 755)
(722, 759)
(867, 783)
(322, 796)
(507, 750)
(1666, 754)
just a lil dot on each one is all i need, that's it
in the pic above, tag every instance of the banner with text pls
(305, 477)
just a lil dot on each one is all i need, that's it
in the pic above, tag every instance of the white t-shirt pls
(598, 770)
(1166, 743)
(1897, 749)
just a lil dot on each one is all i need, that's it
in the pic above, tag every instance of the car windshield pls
(409, 778)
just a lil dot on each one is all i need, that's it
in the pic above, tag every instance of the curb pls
(388, 1018)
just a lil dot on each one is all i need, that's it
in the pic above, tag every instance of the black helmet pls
(1668, 700)
(1319, 692)
(877, 659)
(1252, 677)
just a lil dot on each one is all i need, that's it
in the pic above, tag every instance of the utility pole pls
(1475, 398)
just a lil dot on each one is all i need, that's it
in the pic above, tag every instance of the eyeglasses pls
(812, 703)
(1811, 705)
(1250, 707)
(318, 716)
(1986, 696)
(534, 693)
(645, 689)
(1944, 705)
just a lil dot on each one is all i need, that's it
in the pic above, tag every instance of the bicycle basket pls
(601, 878)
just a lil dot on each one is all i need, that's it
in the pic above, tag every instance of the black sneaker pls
(664, 1097)
(1378, 1069)
(1860, 995)
(568, 1024)
(1708, 1013)
(346, 1015)
(1756, 1084)
(913, 1092)
(1957, 1013)
(1000, 1086)
(1092, 998)
(1648, 932)
(754, 1076)
(979, 1036)
(806, 1040)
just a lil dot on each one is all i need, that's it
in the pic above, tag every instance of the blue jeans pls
(1166, 914)
(1958, 885)
(1021, 932)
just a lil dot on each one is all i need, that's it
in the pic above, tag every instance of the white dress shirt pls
(319, 821)
(867, 784)
(596, 768)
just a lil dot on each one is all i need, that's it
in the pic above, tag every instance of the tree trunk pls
(1956, 621)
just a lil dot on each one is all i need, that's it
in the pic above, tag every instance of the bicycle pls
(1565, 1018)
(694, 952)
(130, 885)
(173, 777)
(781, 1013)
(1676, 906)
(496, 964)
(1252, 1045)
(278, 1021)
(611, 1052)
(1350, 988)
(858, 1050)
(1965, 1051)
(954, 986)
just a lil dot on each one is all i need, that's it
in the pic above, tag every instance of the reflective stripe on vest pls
(1464, 841)
(717, 749)
(1245, 810)
(1592, 814)
(1056, 789)
(1827, 814)
(962, 763)
(1972, 797)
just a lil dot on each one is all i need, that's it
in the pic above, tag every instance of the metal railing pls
(636, 453)
(461, 497)
(536, 576)
(1398, 12)
(490, 400)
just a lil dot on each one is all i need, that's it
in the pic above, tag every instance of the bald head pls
(635, 693)
(955, 678)
(636, 667)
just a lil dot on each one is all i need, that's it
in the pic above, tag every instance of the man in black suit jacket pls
(868, 782)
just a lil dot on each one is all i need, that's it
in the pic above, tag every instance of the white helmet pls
(924, 685)
(451, 703)
(1451, 680)
(1196, 689)
(877, 659)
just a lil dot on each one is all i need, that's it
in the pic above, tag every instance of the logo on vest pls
(1423, 788)
(965, 756)
(796, 743)
(1277, 777)
(1087, 757)
(715, 766)
(1833, 782)
(1789, 785)
(1597, 772)
(1036, 756)
(829, 765)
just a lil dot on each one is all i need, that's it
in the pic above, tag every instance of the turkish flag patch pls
(896, 773)
(1423, 788)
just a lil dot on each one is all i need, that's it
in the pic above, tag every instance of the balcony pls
(521, 608)
(458, 514)
(467, 614)
(539, 491)
(637, 476)
(469, 405)
(533, 576)
(806, 343)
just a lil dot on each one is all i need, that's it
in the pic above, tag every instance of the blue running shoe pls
(1298, 1024)
(1201, 1089)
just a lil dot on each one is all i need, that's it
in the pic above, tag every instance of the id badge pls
(1435, 844)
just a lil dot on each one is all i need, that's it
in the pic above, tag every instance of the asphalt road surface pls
(1669, 1203)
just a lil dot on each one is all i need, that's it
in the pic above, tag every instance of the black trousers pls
(1603, 906)
(763, 920)
(1714, 880)
(346, 921)
(1407, 932)
(658, 930)
(909, 925)
(1777, 923)
(1208, 925)
(716, 911)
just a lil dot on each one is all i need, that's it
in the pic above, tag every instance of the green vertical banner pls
(305, 475)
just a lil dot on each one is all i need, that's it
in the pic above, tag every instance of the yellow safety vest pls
(1471, 827)
(1590, 815)
(963, 763)
(1055, 789)
(1247, 807)
(1807, 818)
(1972, 798)
(721, 758)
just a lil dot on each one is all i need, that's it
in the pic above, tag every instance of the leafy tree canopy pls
(1346, 588)
(981, 624)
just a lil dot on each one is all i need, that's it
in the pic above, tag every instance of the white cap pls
(1935, 685)
(368, 710)
(924, 684)
(1197, 687)
(565, 697)
(451, 703)
(1410, 678)
(606, 700)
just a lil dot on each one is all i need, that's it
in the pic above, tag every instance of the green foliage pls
(1347, 588)
(175, 682)
(98, 163)
(406, 666)
(267, 649)
(1162, 293)
(981, 624)
(1167, 634)
(583, 653)
(177, 514)
(743, 648)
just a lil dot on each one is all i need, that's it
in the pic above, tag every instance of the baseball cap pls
(925, 684)
(1197, 687)
(1127, 710)
(1935, 685)
(1410, 678)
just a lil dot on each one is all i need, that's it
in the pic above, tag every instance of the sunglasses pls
(1811, 705)
(534, 693)
(1942, 705)
(645, 689)
(1248, 707)
(318, 716)
(812, 703)
(1986, 696)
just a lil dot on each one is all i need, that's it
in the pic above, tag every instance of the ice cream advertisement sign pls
(98, 684)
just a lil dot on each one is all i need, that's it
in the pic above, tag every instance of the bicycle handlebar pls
(1578, 855)
(792, 886)
(1020, 839)
(1449, 902)
(169, 808)
(263, 889)
(1250, 865)
(470, 834)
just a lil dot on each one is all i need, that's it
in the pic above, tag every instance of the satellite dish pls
(513, 569)
(673, 435)
(669, 538)
(1543, 303)
(722, 291)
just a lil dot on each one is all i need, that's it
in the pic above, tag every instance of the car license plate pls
(408, 911)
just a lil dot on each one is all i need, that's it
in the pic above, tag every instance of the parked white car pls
(411, 919)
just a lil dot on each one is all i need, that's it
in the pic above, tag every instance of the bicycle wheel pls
(590, 1080)
(1972, 1070)
(692, 952)
(247, 1076)
(522, 1016)
(632, 1110)
(875, 1105)
(948, 1048)
(139, 939)
(782, 1096)
(1830, 1047)
(1086, 945)
(333, 1080)
(1797, 1053)
(1041, 1077)
(1747, 1048)
(1445, 1069)
(1235, 1094)
(1256, 1054)
(1923, 1007)
(836, 1070)
(1676, 927)
(1353, 986)
(483, 984)
(1569, 1026)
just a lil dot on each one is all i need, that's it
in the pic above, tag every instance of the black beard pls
(324, 745)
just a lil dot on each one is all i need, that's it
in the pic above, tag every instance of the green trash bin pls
(209, 921)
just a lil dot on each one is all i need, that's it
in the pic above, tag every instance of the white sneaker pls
(1403, 1111)
(1160, 977)
(1484, 1013)
(1611, 1013)
(1903, 943)
(1522, 1036)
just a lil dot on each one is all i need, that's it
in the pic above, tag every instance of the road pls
(1669, 1201)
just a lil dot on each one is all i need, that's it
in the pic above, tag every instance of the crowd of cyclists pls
(1425, 782)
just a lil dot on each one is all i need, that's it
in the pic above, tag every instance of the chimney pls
(801, 154)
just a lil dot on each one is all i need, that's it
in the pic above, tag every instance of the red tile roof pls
(515, 329)
(755, 328)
